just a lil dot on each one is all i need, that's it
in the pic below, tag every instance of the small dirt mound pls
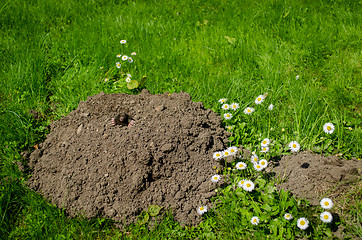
(117, 154)
(312, 176)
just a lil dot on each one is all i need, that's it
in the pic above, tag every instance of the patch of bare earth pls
(313, 176)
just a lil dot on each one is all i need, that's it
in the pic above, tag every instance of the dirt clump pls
(313, 176)
(116, 154)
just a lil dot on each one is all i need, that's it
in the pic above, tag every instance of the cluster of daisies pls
(124, 58)
(325, 217)
(261, 164)
(303, 223)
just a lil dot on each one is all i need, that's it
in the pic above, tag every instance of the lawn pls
(305, 54)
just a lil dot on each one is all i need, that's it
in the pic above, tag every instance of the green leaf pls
(270, 188)
(132, 84)
(143, 217)
(327, 143)
(230, 40)
(266, 207)
(154, 210)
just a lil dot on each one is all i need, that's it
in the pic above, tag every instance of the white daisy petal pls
(201, 210)
(326, 217)
(303, 223)
(248, 186)
(259, 99)
(254, 220)
(328, 128)
(294, 146)
(248, 110)
(326, 203)
(288, 216)
(215, 178)
(240, 165)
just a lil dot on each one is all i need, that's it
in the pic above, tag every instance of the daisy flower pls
(248, 186)
(326, 203)
(123, 41)
(106, 79)
(118, 65)
(215, 178)
(217, 155)
(240, 165)
(288, 216)
(225, 106)
(294, 146)
(130, 60)
(119, 55)
(226, 153)
(248, 110)
(228, 116)
(326, 217)
(271, 106)
(265, 142)
(254, 158)
(258, 167)
(133, 54)
(229, 127)
(222, 100)
(201, 210)
(254, 220)
(263, 163)
(241, 183)
(297, 77)
(303, 223)
(259, 99)
(328, 128)
(234, 106)
(124, 58)
(264, 149)
(128, 79)
(233, 150)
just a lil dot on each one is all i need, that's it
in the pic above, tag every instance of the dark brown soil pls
(164, 158)
(314, 176)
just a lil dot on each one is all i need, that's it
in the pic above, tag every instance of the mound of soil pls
(313, 176)
(159, 152)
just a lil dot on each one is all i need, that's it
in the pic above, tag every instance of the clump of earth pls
(117, 154)
(313, 176)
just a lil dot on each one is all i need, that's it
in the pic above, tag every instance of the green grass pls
(52, 53)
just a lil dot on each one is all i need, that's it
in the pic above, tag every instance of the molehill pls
(116, 154)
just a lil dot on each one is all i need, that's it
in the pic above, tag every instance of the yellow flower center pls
(228, 115)
(234, 106)
(262, 163)
(241, 182)
(329, 128)
(288, 216)
(326, 216)
(226, 153)
(248, 110)
(294, 145)
(302, 222)
(218, 155)
(232, 150)
(264, 142)
(248, 185)
(254, 220)
(257, 166)
(259, 99)
(326, 203)
(215, 178)
(201, 208)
